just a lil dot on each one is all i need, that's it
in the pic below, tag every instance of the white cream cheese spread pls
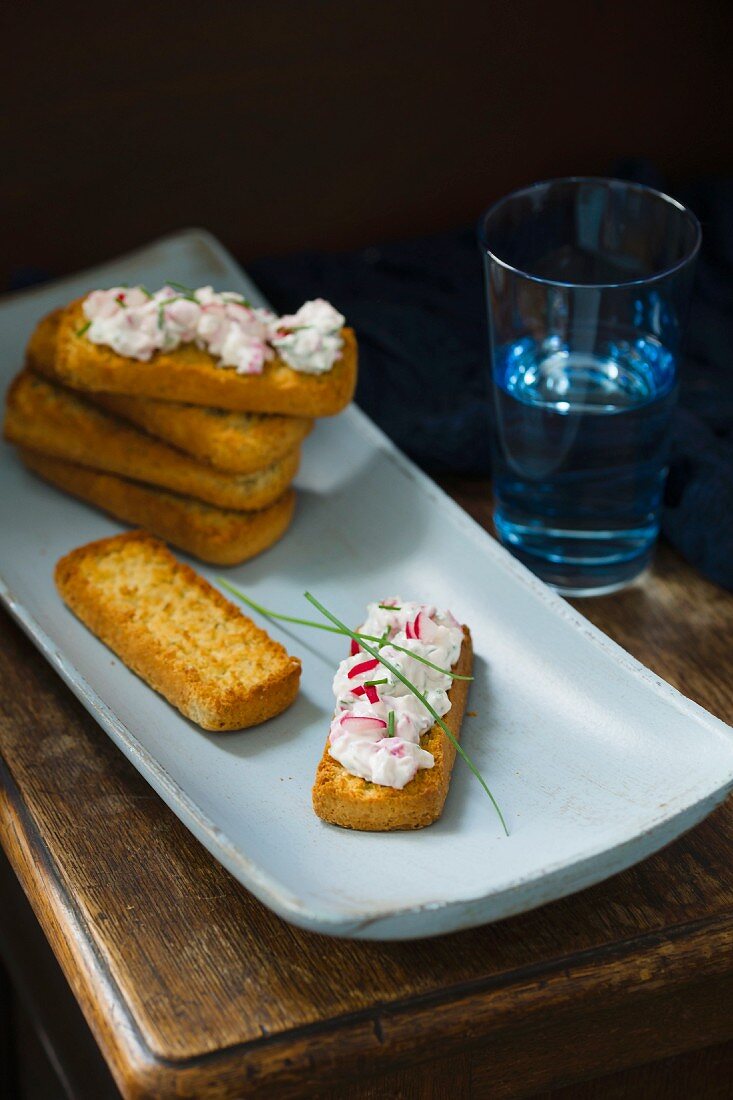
(310, 340)
(376, 729)
(137, 324)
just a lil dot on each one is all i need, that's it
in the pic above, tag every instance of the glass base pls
(580, 563)
(598, 590)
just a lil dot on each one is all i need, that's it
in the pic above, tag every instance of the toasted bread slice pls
(236, 442)
(177, 632)
(192, 375)
(43, 416)
(40, 355)
(216, 535)
(344, 799)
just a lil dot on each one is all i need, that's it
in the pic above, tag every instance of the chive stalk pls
(383, 640)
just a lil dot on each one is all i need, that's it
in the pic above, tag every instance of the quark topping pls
(137, 324)
(359, 736)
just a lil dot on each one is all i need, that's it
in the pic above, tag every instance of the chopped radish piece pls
(370, 692)
(422, 629)
(356, 724)
(425, 628)
(355, 648)
(365, 666)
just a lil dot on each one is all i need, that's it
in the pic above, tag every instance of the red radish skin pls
(365, 666)
(370, 692)
(425, 628)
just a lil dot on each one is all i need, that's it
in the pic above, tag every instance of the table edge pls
(330, 1047)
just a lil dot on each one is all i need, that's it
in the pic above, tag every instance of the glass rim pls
(663, 273)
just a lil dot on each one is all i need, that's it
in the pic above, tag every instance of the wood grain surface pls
(194, 989)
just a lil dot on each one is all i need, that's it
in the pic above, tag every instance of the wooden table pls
(192, 989)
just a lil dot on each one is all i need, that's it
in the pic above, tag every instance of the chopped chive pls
(375, 683)
(388, 607)
(240, 299)
(189, 294)
(334, 630)
(390, 724)
(181, 298)
(145, 291)
(184, 291)
(84, 328)
(418, 695)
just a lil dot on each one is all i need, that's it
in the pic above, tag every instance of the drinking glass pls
(588, 284)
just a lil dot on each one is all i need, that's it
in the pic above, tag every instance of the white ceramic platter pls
(595, 762)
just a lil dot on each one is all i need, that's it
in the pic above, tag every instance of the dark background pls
(301, 124)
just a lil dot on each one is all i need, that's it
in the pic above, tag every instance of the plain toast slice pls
(216, 535)
(344, 799)
(177, 632)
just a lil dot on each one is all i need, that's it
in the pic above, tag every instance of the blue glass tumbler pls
(588, 284)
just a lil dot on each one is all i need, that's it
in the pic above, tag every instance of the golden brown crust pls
(45, 417)
(40, 355)
(344, 799)
(190, 374)
(177, 632)
(236, 442)
(216, 535)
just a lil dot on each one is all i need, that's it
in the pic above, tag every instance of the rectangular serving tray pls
(596, 762)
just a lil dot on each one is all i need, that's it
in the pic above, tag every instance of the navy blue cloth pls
(418, 310)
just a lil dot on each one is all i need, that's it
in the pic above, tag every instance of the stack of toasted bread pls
(201, 456)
